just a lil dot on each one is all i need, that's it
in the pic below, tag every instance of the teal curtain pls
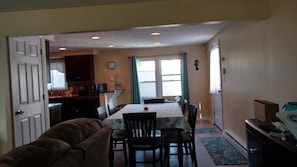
(185, 82)
(135, 93)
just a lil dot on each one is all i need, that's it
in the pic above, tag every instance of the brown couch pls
(82, 142)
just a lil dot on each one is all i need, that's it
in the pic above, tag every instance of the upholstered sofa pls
(81, 142)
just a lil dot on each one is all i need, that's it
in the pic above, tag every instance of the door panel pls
(27, 88)
(217, 107)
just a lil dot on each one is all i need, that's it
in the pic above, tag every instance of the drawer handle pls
(253, 150)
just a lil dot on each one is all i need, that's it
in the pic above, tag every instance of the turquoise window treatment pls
(185, 80)
(135, 93)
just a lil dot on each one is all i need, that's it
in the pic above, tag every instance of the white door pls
(27, 88)
(215, 85)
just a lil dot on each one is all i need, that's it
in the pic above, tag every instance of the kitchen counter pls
(50, 105)
(73, 97)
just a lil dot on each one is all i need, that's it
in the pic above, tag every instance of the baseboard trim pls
(237, 145)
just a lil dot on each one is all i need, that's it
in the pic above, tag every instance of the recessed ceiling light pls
(111, 46)
(62, 49)
(157, 43)
(94, 38)
(155, 33)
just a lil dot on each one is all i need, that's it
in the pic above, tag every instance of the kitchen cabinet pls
(79, 68)
(77, 106)
(265, 150)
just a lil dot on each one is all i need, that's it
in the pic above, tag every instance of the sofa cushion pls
(73, 158)
(74, 131)
(42, 152)
(96, 148)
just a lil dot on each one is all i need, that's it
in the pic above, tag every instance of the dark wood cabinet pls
(265, 150)
(79, 68)
(76, 107)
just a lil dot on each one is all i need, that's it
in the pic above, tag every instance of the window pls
(57, 74)
(215, 74)
(159, 77)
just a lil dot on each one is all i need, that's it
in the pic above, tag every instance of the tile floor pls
(203, 158)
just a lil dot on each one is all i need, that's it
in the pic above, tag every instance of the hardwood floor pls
(203, 158)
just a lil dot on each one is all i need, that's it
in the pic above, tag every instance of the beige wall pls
(198, 80)
(260, 62)
(6, 137)
(123, 16)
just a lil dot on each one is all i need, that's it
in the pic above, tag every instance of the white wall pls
(260, 62)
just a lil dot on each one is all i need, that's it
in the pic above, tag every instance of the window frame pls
(159, 82)
(50, 85)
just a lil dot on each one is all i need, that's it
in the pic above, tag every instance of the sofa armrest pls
(96, 148)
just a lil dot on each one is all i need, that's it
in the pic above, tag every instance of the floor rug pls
(206, 130)
(222, 151)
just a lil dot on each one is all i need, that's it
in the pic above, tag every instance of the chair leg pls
(193, 154)
(154, 158)
(161, 156)
(125, 152)
(180, 154)
(166, 153)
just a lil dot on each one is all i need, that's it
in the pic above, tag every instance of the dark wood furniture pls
(150, 101)
(117, 137)
(141, 129)
(79, 68)
(182, 140)
(265, 150)
(77, 106)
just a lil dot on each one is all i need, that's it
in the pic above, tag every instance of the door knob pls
(19, 112)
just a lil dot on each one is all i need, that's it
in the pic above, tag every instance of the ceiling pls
(170, 35)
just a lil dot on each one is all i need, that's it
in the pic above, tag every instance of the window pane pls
(215, 74)
(170, 66)
(146, 76)
(146, 65)
(147, 90)
(58, 79)
(171, 88)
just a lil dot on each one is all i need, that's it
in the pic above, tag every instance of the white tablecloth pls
(169, 115)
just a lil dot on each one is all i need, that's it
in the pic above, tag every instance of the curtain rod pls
(178, 54)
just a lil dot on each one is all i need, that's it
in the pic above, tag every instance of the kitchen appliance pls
(101, 87)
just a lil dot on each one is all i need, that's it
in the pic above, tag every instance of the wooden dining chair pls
(184, 106)
(102, 114)
(183, 140)
(113, 109)
(142, 136)
(118, 136)
(150, 101)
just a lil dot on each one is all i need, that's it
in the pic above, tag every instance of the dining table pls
(169, 115)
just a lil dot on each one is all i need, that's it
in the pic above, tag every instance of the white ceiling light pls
(155, 33)
(62, 49)
(95, 38)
